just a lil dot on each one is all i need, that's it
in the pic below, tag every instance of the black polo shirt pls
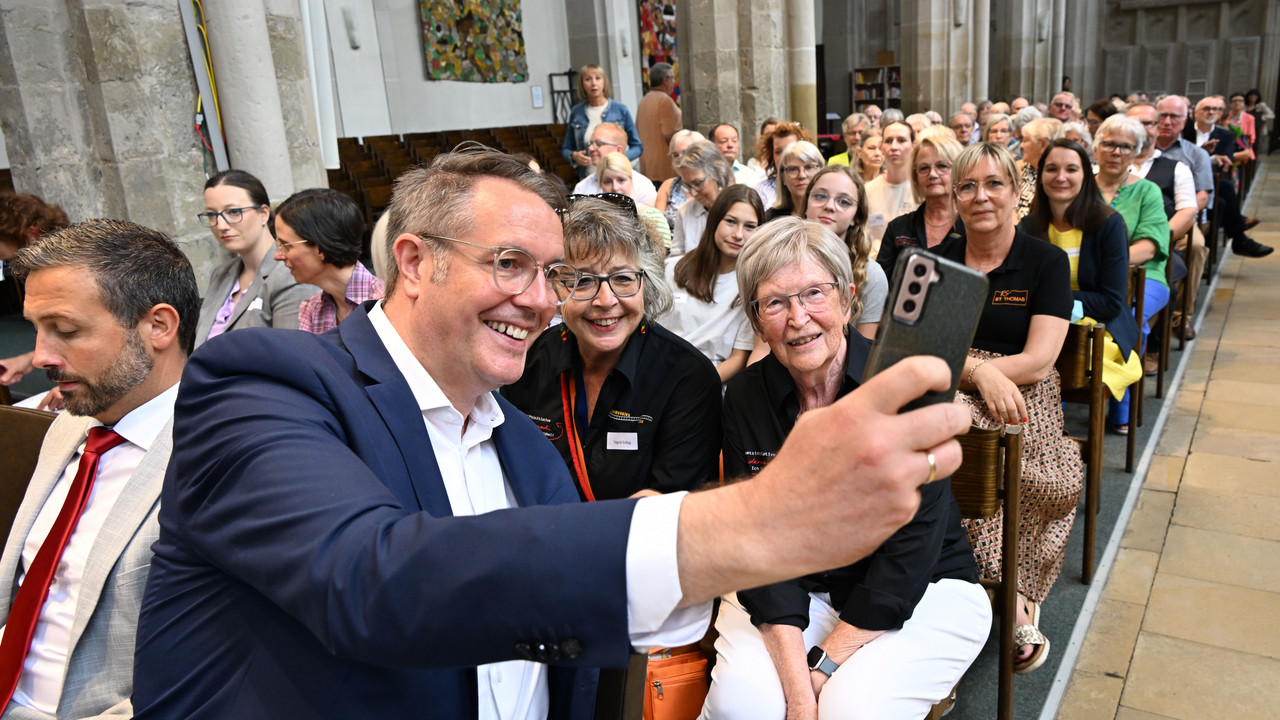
(879, 592)
(1034, 279)
(907, 231)
(656, 423)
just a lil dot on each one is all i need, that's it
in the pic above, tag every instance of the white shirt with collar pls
(642, 189)
(746, 175)
(40, 685)
(691, 220)
(475, 484)
(1184, 186)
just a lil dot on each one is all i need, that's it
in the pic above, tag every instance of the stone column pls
(248, 94)
(981, 50)
(764, 89)
(297, 103)
(937, 49)
(802, 70)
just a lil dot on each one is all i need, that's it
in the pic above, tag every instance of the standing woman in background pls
(1262, 114)
(596, 107)
(251, 289)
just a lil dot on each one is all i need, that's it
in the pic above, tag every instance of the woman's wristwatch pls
(820, 661)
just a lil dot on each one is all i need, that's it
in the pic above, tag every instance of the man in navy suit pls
(355, 525)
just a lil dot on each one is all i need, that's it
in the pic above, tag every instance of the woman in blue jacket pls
(595, 108)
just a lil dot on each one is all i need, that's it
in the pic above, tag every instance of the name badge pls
(622, 441)
(256, 304)
(876, 220)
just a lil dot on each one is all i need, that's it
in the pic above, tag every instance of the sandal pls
(1031, 635)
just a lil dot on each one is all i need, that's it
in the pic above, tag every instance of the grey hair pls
(1120, 123)
(1086, 138)
(992, 119)
(788, 240)
(705, 156)
(596, 229)
(1024, 116)
(1043, 128)
(659, 73)
(680, 137)
(891, 115)
(853, 121)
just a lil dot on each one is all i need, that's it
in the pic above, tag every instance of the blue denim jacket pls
(575, 133)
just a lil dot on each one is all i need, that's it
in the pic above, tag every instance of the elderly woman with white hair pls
(798, 164)
(889, 635)
(704, 172)
(1139, 202)
(671, 194)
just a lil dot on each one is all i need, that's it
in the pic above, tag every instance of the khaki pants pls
(1195, 268)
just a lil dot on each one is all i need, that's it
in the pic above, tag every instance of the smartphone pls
(932, 309)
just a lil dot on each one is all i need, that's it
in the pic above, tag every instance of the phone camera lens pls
(919, 270)
(914, 288)
(909, 306)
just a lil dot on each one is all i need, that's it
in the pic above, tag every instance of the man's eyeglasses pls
(616, 199)
(969, 188)
(1149, 123)
(815, 297)
(514, 270)
(795, 170)
(622, 284)
(231, 215)
(1115, 147)
(1214, 108)
(602, 144)
(1174, 117)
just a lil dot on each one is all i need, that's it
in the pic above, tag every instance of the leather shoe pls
(1188, 331)
(1250, 248)
(1251, 222)
(1150, 364)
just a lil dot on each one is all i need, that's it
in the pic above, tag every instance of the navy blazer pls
(308, 566)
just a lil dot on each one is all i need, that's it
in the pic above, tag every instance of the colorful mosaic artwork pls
(658, 36)
(474, 40)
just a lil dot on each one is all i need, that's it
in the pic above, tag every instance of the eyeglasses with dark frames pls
(231, 215)
(514, 270)
(623, 284)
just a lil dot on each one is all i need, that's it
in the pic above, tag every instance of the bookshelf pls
(879, 85)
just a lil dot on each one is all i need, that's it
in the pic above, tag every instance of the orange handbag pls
(675, 686)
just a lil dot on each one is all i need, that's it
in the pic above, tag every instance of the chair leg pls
(1135, 399)
(1166, 325)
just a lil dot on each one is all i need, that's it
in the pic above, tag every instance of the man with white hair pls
(610, 138)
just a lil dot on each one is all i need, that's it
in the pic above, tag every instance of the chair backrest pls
(21, 433)
(990, 470)
(1075, 360)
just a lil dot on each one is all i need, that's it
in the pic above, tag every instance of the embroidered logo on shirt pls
(553, 431)
(757, 459)
(1009, 297)
(623, 416)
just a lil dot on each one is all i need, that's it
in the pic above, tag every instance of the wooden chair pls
(21, 434)
(1137, 295)
(989, 479)
(376, 199)
(1214, 229)
(1080, 366)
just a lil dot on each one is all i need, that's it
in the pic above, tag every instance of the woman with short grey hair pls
(704, 172)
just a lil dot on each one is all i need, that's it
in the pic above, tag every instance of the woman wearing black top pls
(889, 635)
(936, 220)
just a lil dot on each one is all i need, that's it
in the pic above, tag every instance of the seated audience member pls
(870, 157)
(1036, 136)
(892, 115)
(657, 119)
(114, 306)
(1020, 119)
(609, 138)
(766, 127)
(671, 194)
(998, 129)
(1001, 108)
(837, 200)
(319, 234)
(705, 307)
(1219, 142)
(1063, 107)
(918, 122)
(596, 107)
(704, 173)
(1097, 112)
(396, 537)
(24, 219)
(885, 637)
(1138, 201)
(934, 117)
(852, 130)
(1068, 211)
(614, 175)
(1242, 125)
(937, 220)
(1076, 132)
(873, 113)
(1018, 104)
(962, 124)
(797, 165)
(889, 194)
(251, 289)
(725, 137)
(769, 153)
(1009, 378)
(610, 365)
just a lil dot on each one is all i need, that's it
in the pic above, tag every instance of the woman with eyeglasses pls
(937, 220)
(596, 107)
(704, 173)
(889, 635)
(1009, 378)
(1140, 203)
(836, 200)
(251, 289)
(630, 405)
(797, 165)
(319, 234)
(705, 307)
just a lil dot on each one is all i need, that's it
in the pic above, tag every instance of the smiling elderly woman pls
(892, 633)
(629, 405)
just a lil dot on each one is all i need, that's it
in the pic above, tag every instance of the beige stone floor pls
(1188, 625)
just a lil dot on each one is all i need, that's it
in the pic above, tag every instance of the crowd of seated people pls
(699, 321)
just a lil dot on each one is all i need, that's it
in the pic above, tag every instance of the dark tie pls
(25, 612)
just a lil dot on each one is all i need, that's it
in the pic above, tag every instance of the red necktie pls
(25, 611)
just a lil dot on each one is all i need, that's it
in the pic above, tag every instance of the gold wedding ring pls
(933, 468)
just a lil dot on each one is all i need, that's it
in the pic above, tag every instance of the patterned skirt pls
(1052, 482)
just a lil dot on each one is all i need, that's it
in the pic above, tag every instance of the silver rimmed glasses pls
(514, 270)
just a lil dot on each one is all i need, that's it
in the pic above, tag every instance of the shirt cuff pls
(653, 579)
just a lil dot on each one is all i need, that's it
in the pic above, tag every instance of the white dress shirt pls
(475, 484)
(40, 685)
(691, 220)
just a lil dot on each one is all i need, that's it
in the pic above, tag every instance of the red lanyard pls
(568, 397)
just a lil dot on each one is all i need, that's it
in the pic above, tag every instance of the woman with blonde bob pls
(614, 175)
(889, 635)
(596, 107)
(937, 220)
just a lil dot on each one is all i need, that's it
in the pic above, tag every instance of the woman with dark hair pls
(1097, 112)
(705, 307)
(1262, 114)
(1236, 116)
(319, 234)
(596, 107)
(1068, 211)
(251, 289)
(837, 200)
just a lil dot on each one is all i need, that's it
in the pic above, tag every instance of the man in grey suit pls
(114, 305)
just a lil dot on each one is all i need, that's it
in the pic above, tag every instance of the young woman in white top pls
(890, 195)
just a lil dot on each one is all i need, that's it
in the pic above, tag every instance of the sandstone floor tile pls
(1251, 333)
(1090, 696)
(1149, 522)
(1222, 557)
(1108, 646)
(1128, 713)
(1264, 393)
(1223, 295)
(1249, 444)
(1235, 512)
(1188, 401)
(1231, 473)
(1210, 613)
(1241, 414)
(1179, 429)
(1164, 473)
(1131, 576)
(1190, 681)
(1195, 379)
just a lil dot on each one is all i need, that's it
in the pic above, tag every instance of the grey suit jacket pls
(99, 677)
(271, 300)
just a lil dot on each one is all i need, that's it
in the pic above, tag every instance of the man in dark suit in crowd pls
(355, 525)
(1220, 143)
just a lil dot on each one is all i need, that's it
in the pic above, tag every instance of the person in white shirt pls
(115, 306)
(610, 138)
(889, 194)
(725, 136)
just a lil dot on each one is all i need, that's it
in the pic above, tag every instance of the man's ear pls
(413, 263)
(158, 327)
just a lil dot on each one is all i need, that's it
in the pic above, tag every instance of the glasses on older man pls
(514, 270)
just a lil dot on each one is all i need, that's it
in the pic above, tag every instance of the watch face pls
(816, 654)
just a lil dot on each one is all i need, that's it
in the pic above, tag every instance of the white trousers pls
(900, 674)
